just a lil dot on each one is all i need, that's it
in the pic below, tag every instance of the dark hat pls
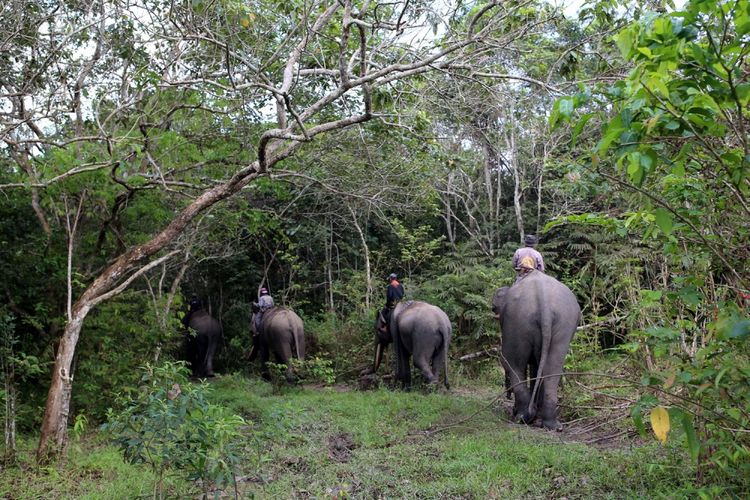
(392, 276)
(530, 240)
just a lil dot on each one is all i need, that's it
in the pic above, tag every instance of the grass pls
(92, 470)
(341, 443)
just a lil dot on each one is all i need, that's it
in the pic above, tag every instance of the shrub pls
(170, 425)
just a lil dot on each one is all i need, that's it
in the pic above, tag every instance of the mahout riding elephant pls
(420, 331)
(538, 317)
(281, 334)
(203, 340)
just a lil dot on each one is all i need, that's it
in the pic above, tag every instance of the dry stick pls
(609, 436)
(431, 432)
(663, 391)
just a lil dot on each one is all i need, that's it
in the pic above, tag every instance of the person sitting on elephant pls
(265, 302)
(393, 295)
(194, 304)
(527, 258)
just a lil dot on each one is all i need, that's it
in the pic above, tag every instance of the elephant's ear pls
(498, 300)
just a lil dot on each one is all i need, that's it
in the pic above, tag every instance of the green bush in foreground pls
(170, 425)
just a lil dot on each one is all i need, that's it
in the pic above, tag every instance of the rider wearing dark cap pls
(393, 295)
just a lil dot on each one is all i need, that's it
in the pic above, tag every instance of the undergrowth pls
(342, 443)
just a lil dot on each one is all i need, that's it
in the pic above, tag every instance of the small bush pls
(170, 425)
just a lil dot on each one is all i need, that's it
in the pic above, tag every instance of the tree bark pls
(517, 178)
(368, 290)
(54, 431)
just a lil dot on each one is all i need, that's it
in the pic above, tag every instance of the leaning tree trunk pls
(54, 431)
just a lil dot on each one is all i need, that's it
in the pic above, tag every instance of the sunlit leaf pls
(660, 423)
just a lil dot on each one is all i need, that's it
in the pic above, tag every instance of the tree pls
(170, 96)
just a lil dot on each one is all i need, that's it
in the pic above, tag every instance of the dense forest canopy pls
(153, 150)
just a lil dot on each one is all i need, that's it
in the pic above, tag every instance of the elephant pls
(281, 333)
(538, 317)
(202, 345)
(419, 330)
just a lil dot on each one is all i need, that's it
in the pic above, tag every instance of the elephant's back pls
(280, 318)
(204, 323)
(542, 290)
(424, 315)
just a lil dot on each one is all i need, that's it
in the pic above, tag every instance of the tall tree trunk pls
(9, 382)
(517, 177)
(539, 189)
(368, 291)
(329, 268)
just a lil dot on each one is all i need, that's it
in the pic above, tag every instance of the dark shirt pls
(394, 293)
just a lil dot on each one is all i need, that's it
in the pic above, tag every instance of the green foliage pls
(466, 296)
(708, 396)
(315, 370)
(120, 335)
(171, 425)
(673, 136)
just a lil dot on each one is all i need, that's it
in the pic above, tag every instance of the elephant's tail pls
(546, 328)
(297, 334)
(446, 336)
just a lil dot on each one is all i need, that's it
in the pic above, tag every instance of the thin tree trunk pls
(329, 264)
(539, 189)
(9, 383)
(511, 144)
(368, 291)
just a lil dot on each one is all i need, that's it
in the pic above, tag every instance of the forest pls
(165, 159)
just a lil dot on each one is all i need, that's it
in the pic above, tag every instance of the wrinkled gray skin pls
(202, 346)
(538, 317)
(420, 331)
(281, 334)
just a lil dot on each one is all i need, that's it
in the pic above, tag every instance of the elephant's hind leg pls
(552, 373)
(438, 366)
(424, 366)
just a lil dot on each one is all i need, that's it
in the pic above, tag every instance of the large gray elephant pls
(281, 334)
(538, 317)
(420, 331)
(203, 340)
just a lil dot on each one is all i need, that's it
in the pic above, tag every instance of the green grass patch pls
(92, 470)
(336, 442)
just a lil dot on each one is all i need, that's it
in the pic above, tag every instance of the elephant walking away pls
(538, 317)
(201, 345)
(282, 334)
(420, 331)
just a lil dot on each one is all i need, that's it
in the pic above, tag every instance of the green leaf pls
(579, 128)
(624, 41)
(646, 52)
(693, 445)
(637, 415)
(566, 106)
(743, 93)
(656, 84)
(664, 220)
(614, 129)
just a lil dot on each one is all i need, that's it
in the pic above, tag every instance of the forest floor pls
(341, 442)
